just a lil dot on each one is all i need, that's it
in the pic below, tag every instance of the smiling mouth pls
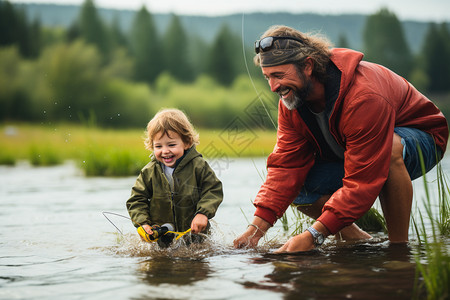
(168, 158)
(283, 92)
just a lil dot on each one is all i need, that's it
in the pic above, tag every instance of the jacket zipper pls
(172, 193)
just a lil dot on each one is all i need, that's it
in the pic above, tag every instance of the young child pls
(177, 186)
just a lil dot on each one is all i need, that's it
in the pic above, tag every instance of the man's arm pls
(287, 167)
(255, 231)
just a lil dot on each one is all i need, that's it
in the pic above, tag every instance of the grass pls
(44, 155)
(301, 222)
(108, 152)
(432, 257)
(372, 221)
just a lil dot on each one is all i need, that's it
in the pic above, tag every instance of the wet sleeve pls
(139, 201)
(287, 167)
(211, 192)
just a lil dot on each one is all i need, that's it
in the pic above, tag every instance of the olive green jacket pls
(196, 190)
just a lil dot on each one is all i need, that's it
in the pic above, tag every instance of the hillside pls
(250, 25)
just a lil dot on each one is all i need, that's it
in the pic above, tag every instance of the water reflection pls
(77, 254)
(374, 270)
(173, 271)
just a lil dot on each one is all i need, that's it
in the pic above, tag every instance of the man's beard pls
(298, 96)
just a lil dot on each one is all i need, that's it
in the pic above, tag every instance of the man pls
(348, 131)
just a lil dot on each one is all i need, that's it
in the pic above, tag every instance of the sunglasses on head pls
(266, 43)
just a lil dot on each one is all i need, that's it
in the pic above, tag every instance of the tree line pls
(95, 72)
(384, 43)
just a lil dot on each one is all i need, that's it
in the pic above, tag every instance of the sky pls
(420, 10)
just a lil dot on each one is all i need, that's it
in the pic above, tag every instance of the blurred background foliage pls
(93, 72)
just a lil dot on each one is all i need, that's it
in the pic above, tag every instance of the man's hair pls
(316, 47)
(171, 120)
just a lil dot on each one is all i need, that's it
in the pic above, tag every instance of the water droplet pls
(118, 115)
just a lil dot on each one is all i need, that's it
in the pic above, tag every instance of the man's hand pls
(301, 242)
(199, 223)
(248, 239)
(304, 241)
(252, 235)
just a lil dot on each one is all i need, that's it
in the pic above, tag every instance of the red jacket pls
(372, 100)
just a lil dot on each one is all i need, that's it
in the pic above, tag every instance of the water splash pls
(214, 244)
(131, 245)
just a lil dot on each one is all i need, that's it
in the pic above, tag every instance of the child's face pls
(168, 149)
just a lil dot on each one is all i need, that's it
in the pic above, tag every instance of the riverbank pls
(97, 149)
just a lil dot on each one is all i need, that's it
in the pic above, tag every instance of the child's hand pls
(147, 229)
(199, 223)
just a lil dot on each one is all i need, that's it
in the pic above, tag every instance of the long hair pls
(316, 47)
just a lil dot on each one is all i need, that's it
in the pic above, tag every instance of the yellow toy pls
(159, 231)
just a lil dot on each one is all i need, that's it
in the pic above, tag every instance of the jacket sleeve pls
(368, 128)
(139, 201)
(287, 167)
(211, 192)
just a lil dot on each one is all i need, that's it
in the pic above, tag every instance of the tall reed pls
(432, 256)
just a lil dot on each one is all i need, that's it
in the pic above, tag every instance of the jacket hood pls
(189, 155)
(346, 60)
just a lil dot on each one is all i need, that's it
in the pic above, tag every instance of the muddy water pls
(56, 244)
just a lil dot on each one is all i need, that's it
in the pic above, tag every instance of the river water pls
(55, 243)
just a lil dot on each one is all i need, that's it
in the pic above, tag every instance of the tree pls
(176, 51)
(15, 30)
(71, 88)
(343, 41)
(8, 34)
(436, 57)
(35, 38)
(221, 63)
(118, 38)
(92, 29)
(197, 52)
(13, 104)
(385, 43)
(145, 47)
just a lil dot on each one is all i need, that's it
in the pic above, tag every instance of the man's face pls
(291, 85)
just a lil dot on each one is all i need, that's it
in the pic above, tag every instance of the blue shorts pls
(325, 177)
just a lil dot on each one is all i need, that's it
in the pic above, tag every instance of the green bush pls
(99, 161)
(44, 155)
(125, 104)
(7, 159)
(70, 82)
(210, 105)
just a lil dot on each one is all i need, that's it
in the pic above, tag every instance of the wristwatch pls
(318, 238)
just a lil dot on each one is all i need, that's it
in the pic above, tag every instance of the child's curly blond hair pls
(171, 120)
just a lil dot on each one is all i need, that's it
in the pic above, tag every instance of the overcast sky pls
(422, 10)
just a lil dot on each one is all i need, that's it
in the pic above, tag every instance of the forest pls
(94, 71)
